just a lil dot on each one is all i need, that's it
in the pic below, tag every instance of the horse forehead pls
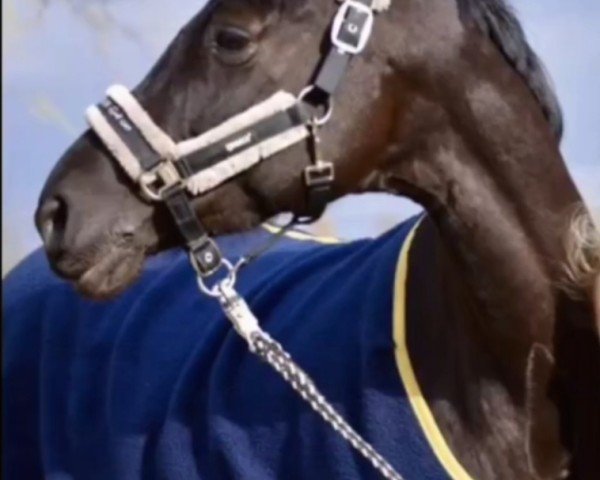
(243, 13)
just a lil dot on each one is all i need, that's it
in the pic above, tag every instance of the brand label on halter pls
(117, 114)
(124, 139)
(239, 142)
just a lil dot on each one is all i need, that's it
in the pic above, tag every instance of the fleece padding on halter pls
(113, 142)
(154, 135)
(380, 5)
(121, 119)
(247, 158)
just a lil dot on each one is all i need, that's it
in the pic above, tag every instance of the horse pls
(448, 106)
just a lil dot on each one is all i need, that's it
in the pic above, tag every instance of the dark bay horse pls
(448, 106)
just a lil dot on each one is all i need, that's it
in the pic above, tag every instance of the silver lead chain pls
(262, 345)
(273, 353)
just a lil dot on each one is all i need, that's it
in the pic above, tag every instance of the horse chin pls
(116, 271)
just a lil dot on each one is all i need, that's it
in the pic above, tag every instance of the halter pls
(174, 173)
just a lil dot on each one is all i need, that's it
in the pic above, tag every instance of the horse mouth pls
(115, 271)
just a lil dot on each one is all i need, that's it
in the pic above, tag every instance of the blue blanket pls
(157, 385)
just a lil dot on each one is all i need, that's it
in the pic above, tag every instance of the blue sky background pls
(60, 55)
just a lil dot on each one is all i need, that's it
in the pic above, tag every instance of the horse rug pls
(156, 385)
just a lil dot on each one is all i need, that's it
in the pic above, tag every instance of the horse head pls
(97, 228)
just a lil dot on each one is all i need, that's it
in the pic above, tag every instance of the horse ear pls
(546, 456)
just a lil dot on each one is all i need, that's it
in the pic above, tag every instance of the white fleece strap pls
(113, 142)
(154, 135)
(236, 164)
(381, 5)
(216, 175)
(276, 103)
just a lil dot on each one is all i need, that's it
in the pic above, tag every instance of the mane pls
(583, 252)
(497, 20)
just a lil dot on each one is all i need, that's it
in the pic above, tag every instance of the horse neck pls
(484, 163)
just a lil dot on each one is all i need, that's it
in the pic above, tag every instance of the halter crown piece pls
(173, 173)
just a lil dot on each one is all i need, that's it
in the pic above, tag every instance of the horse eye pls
(233, 45)
(232, 39)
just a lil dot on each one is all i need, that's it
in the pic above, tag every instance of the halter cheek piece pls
(175, 172)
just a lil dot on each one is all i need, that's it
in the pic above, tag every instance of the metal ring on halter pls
(146, 179)
(318, 121)
(154, 182)
(214, 291)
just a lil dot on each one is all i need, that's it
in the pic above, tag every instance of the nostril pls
(51, 219)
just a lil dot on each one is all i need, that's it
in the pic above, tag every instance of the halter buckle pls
(352, 27)
(158, 180)
(321, 173)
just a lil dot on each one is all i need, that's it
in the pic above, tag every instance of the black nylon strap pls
(242, 140)
(334, 66)
(179, 205)
(129, 133)
(205, 251)
(332, 71)
(318, 197)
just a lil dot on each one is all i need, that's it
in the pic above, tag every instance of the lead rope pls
(262, 345)
(254, 255)
(273, 353)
